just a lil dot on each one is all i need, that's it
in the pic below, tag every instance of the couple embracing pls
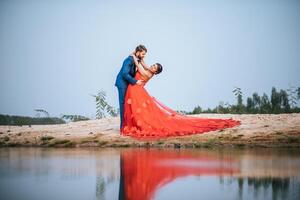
(143, 116)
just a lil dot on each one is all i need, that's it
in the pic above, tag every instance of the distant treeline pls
(23, 120)
(38, 120)
(102, 110)
(283, 101)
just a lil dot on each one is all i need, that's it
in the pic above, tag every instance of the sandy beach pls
(256, 130)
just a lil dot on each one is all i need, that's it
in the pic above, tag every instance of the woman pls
(146, 117)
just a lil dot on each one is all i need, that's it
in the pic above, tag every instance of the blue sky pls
(54, 54)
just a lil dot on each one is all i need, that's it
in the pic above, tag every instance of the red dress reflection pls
(146, 117)
(144, 171)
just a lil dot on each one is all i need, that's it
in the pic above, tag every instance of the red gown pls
(144, 172)
(146, 117)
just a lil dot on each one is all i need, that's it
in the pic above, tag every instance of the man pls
(126, 76)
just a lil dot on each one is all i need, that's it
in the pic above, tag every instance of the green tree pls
(265, 106)
(275, 101)
(284, 101)
(250, 105)
(74, 118)
(197, 110)
(239, 108)
(102, 107)
(256, 102)
(293, 96)
(41, 111)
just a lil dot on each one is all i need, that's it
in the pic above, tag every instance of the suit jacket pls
(126, 74)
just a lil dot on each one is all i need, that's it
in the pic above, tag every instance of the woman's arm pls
(144, 64)
(140, 68)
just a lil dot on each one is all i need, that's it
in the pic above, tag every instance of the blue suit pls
(125, 77)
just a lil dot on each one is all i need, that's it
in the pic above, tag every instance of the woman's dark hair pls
(140, 48)
(159, 68)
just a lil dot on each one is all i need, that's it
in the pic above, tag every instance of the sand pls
(256, 130)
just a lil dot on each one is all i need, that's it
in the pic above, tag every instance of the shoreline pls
(256, 130)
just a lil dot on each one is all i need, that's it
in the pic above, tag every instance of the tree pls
(265, 104)
(239, 96)
(250, 105)
(103, 107)
(41, 111)
(293, 96)
(197, 110)
(275, 101)
(74, 118)
(256, 102)
(284, 101)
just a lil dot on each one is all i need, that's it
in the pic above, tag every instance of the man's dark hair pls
(159, 68)
(140, 48)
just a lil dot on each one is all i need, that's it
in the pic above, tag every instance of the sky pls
(56, 54)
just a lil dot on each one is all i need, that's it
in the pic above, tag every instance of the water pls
(142, 174)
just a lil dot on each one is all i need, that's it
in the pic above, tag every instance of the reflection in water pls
(279, 186)
(141, 174)
(266, 187)
(29, 173)
(146, 172)
(143, 170)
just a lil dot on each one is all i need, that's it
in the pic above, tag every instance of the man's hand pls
(140, 82)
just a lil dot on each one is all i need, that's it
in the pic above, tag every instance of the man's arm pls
(125, 72)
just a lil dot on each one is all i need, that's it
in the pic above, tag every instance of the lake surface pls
(144, 174)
